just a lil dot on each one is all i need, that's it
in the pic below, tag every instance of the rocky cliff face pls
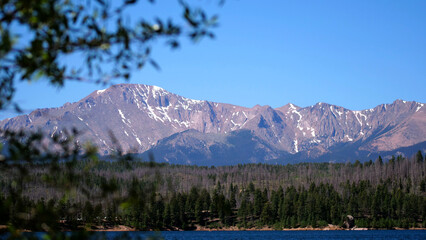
(142, 117)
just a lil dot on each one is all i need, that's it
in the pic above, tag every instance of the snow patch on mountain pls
(296, 145)
(419, 107)
(293, 109)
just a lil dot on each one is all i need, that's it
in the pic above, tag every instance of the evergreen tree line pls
(147, 195)
(385, 205)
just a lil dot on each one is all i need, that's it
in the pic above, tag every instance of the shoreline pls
(123, 228)
(328, 228)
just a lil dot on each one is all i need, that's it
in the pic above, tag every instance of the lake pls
(236, 235)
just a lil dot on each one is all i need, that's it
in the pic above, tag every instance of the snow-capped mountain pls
(142, 117)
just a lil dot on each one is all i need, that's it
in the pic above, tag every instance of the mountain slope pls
(194, 147)
(142, 117)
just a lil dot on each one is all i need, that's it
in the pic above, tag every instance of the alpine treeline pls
(161, 196)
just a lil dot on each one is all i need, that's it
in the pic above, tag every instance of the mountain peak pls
(288, 107)
(401, 101)
(139, 116)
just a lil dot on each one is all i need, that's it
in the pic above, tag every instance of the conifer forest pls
(153, 196)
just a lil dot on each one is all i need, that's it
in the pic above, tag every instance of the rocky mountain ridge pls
(142, 117)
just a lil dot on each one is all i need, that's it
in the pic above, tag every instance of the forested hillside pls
(161, 196)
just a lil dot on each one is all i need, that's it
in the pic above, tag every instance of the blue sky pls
(355, 54)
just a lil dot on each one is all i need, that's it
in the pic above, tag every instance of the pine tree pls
(267, 214)
(258, 202)
(423, 185)
(167, 216)
(419, 156)
(379, 161)
(88, 213)
(198, 212)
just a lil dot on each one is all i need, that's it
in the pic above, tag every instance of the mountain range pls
(146, 119)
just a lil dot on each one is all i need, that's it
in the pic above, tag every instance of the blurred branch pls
(112, 49)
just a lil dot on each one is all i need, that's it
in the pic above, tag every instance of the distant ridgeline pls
(151, 196)
(179, 130)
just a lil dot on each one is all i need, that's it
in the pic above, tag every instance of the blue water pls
(236, 235)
